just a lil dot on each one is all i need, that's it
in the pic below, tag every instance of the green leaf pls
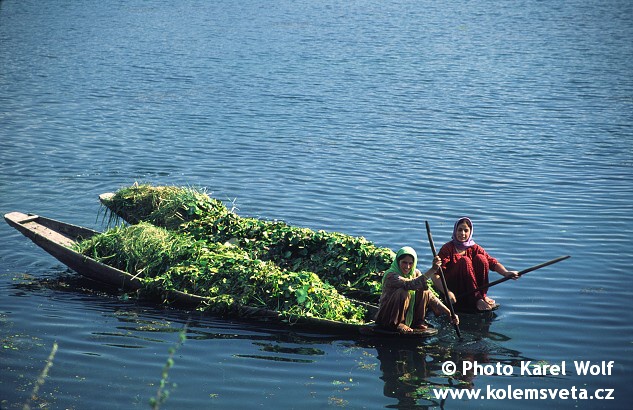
(301, 294)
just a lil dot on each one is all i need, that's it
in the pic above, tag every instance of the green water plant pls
(162, 393)
(41, 378)
(166, 206)
(353, 265)
(225, 274)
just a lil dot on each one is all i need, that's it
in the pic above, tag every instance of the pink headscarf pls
(468, 243)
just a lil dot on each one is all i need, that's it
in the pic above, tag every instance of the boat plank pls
(49, 234)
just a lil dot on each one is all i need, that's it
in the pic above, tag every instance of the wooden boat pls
(57, 238)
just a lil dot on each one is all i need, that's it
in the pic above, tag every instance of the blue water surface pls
(364, 117)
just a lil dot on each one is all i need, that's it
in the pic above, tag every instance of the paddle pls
(523, 272)
(450, 304)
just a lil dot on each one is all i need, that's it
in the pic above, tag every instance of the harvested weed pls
(165, 206)
(142, 249)
(352, 264)
(165, 260)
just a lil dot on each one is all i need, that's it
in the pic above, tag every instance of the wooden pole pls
(448, 300)
(523, 272)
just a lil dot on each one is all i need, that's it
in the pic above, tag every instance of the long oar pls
(450, 304)
(523, 272)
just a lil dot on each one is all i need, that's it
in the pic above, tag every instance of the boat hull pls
(57, 238)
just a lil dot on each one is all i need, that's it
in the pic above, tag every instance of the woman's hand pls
(437, 263)
(512, 274)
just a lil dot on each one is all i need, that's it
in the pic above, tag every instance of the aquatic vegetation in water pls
(162, 394)
(41, 378)
(226, 274)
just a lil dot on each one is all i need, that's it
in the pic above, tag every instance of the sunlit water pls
(363, 117)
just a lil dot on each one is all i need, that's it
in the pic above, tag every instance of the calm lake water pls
(364, 117)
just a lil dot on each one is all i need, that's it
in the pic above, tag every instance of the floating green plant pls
(162, 393)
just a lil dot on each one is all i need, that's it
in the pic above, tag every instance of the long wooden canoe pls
(57, 238)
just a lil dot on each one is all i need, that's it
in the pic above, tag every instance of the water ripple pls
(366, 118)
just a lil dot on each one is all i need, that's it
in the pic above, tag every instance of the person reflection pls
(412, 367)
(410, 373)
(403, 370)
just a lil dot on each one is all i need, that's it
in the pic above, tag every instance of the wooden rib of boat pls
(57, 238)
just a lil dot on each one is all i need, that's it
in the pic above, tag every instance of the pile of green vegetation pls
(353, 265)
(164, 206)
(167, 260)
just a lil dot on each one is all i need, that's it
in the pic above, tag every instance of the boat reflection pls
(411, 369)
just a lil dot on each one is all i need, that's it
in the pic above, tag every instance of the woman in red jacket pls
(466, 266)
